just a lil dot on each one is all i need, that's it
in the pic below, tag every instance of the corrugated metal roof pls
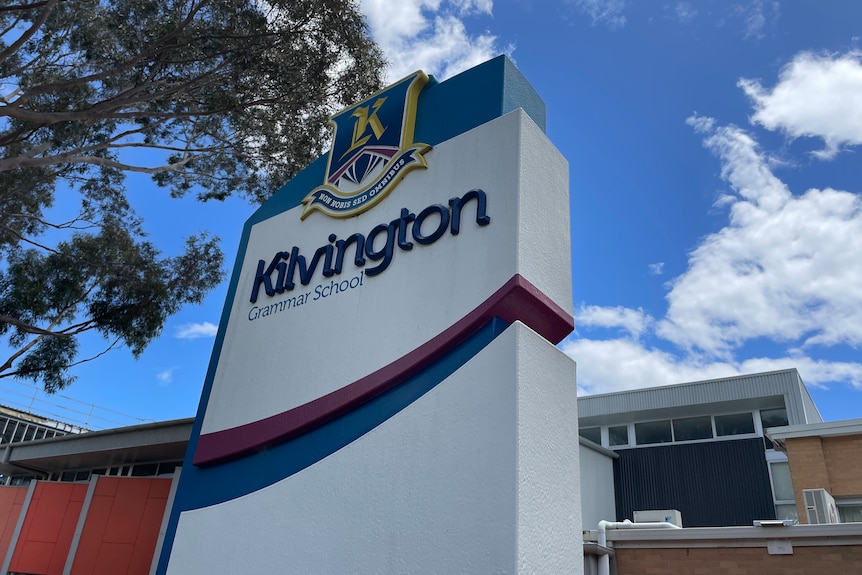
(754, 391)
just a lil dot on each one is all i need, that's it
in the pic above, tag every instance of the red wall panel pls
(122, 526)
(46, 535)
(11, 502)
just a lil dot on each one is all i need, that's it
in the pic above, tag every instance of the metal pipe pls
(605, 560)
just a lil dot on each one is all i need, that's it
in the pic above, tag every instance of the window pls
(786, 511)
(618, 435)
(653, 432)
(782, 488)
(145, 470)
(690, 428)
(19, 432)
(782, 491)
(594, 434)
(850, 513)
(772, 418)
(168, 467)
(734, 424)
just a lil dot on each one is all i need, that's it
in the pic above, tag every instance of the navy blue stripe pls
(202, 487)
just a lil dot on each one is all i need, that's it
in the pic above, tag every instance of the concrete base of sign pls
(478, 475)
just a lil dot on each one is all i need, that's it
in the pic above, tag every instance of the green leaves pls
(213, 97)
(109, 282)
(235, 94)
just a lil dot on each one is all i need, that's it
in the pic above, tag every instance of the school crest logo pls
(372, 150)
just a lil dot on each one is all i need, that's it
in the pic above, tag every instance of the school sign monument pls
(384, 394)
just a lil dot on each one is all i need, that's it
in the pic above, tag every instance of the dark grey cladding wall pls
(716, 483)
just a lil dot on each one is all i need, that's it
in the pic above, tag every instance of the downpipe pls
(605, 560)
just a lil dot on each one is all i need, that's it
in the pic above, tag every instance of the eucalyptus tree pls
(208, 97)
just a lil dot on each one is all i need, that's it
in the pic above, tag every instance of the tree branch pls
(15, 163)
(37, 23)
(26, 328)
(67, 366)
(17, 234)
(22, 7)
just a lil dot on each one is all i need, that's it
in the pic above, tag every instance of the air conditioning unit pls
(659, 516)
(820, 506)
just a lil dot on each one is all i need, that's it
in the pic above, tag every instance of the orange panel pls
(107, 486)
(113, 559)
(127, 511)
(94, 529)
(120, 533)
(48, 528)
(147, 536)
(11, 502)
(32, 557)
(160, 489)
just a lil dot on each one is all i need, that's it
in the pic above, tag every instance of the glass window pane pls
(850, 513)
(618, 435)
(734, 424)
(692, 428)
(782, 488)
(786, 511)
(773, 417)
(144, 470)
(653, 432)
(19, 432)
(168, 467)
(594, 434)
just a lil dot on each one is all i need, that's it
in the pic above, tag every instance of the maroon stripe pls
(518, 299)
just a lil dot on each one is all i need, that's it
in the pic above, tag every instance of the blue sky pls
(714, 151)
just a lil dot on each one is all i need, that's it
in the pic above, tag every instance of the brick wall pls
(739, 561)
(831, 463)
(843, 457)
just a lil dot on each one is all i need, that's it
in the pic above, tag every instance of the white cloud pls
(609, 12)
(701, 124)
(196, 330)
(756, 15)
(166, 376)
(816, 95)
(634, 321)
(656, 269)
(430, 35)
(785, 268)
(788, 268)
(606, 366)
(684, 12)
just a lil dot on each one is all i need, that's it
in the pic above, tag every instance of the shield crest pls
(372, 149)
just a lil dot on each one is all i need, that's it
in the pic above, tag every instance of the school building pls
(735, 461)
